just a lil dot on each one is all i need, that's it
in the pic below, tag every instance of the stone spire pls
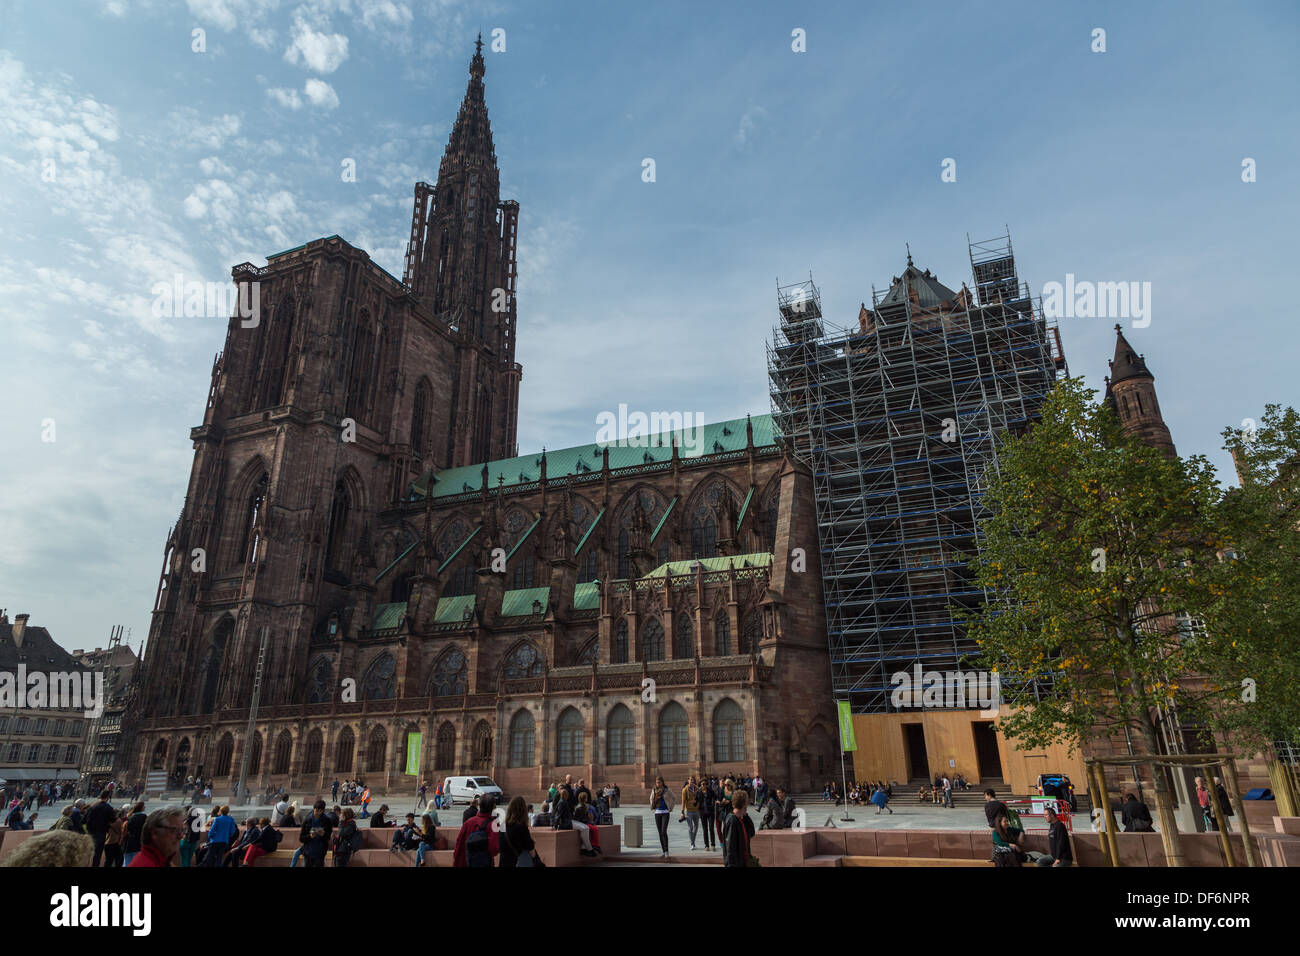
(1131, 392)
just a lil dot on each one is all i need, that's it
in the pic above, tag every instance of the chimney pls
(20, 625)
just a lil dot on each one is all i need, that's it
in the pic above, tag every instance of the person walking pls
(1207, 805)
(881, 800)
(365, 803)
(334, 791)
(1135, 816)
(661, 802)
(705, 801)
(737, 831)
(691, 808)
(98, 819)
(947, 793)
(113, 840)
(131, 839)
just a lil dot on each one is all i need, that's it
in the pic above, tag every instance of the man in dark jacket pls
(737, 831)
(707, 804)
(1135, 815)
(1058, 842)
(993, 807)
(470, 812)
(787, 806)
(773, 815)
(562, 812)
(97, 820)
(315, 836)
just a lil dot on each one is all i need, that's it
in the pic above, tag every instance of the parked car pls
(465, 789)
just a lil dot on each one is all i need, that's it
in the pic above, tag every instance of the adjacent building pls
(106, 748)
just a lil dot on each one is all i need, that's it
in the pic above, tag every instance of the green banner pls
(847, 739)
(413, 754)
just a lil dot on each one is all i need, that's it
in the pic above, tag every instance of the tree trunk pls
(1169, 836)
(1279, 777)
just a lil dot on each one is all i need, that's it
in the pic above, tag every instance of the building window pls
(14, 752)
(381, 679)
(569, 726)
(624, 559)
(20, 726)
(674, 737)
(752, 631)
(449, 675)
(620, 737)
(255, 754)
(377, 751)
(523, 576)
(339, 509)
(283, 752)
(521, 739)
(41, 724)
(728, 732)
(445, 754)
(58, 729)
(52, 753)
(587, 569)
(343, 751)
(620, 643)
(704, 535)
(225, 755)
(252, 522)
(34, 753)
(721, 634)
(685, 643)
(315, 744)
(652, 641)
(460, 583)
(70, 754)
(4, 725)
(524, 661)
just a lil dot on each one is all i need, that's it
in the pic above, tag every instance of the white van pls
(465, 789)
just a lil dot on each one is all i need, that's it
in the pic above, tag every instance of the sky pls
(133, 149)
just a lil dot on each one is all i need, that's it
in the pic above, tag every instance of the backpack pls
(478, 847)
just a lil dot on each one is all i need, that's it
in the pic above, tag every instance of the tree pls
(1253, 621)
(1091, 541)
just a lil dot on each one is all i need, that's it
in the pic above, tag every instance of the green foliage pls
(1093, 540)
(1253, 618)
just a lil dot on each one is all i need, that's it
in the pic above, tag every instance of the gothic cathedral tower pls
(343, 387)
(461, 264)
(1131, 391)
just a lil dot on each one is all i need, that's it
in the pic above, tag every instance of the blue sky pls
(1115, 166)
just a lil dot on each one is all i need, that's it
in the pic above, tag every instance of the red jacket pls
(476, 822)
(148, 856)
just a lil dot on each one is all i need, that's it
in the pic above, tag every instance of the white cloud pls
(749, 121)
(321, 94)
(190, 127)
(195, 208)
(213, 166)
(316, 51)
(285, 97)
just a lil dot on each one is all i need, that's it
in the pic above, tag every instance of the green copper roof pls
(586, 597)
(643, 450)
(388, 615)
(520, 603)
(452, 609)
(761, 559)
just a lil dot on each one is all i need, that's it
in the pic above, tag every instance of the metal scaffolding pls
(898, 422)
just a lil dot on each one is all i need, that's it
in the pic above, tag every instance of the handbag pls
(521, 859)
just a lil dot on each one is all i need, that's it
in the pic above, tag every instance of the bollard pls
(632, 830)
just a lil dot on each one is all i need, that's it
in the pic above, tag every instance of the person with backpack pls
(477, 844)
(349, 838)
(737, 831)
(315, 836)
(132, 834)
(691, 809)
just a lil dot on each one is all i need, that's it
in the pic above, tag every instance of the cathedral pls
(367, 578)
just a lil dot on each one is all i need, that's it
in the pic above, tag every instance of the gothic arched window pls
(674, 735)
(523, 661)
(275, 359)
(569, 745)
(363, 346)
(587, 569)
(449, 674)
(212, 664)
(522, 730)
(620, 643)
(620, 737)
(721, 634)
(704, 534)
(728, 732)
(523, 576)
(339, 509)
(381, 679)
(377, 750)
(343, 751)
(752, 631)
(283, 752)
(461, 582)
(624, 559)
(225, 756)
(684, 646)
(652, 641)
(255, 754)
(417, 417)
(252, 518)
(320, 690)
(444, 755)
(315, 744)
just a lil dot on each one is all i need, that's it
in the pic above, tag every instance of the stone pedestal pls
(632, 831)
